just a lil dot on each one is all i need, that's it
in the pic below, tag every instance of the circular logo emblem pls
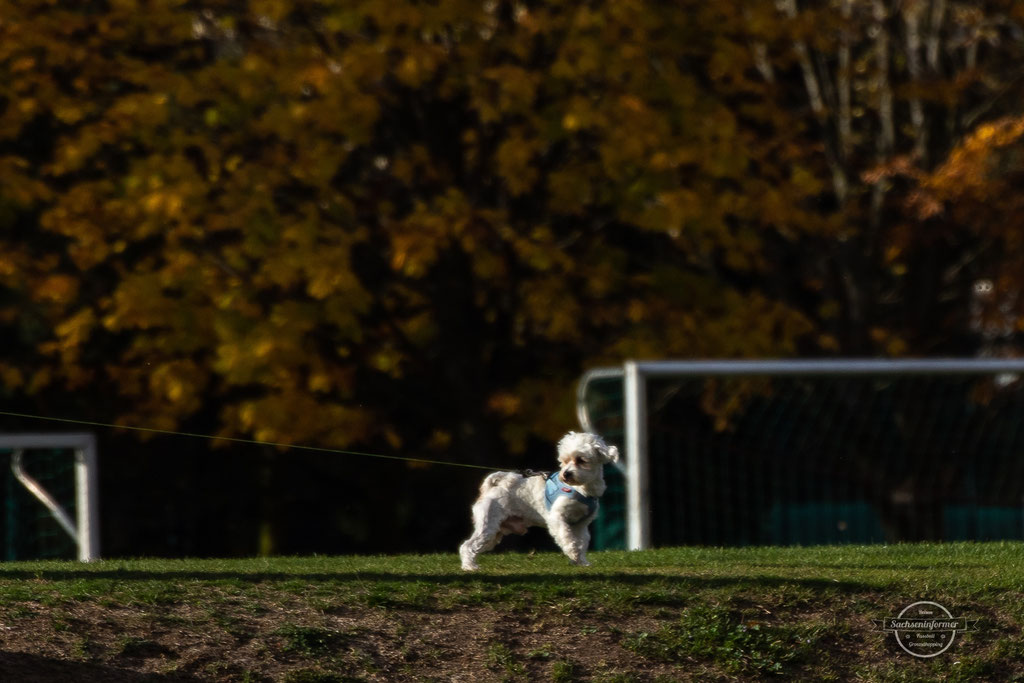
(925, 628)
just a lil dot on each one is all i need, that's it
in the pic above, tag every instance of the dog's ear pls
(612, 455)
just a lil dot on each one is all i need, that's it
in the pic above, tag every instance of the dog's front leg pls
(571, 538)
(583, 535)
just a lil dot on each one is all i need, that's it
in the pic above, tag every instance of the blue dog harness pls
(556, 488)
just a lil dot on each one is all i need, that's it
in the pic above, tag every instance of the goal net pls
(811, 452)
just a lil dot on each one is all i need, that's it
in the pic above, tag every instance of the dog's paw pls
(468, 558)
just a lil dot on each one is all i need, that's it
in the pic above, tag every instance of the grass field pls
(678, 614)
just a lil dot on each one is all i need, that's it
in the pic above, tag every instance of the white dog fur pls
(510, 502)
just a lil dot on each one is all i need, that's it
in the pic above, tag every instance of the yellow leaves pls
(178, 382)
(395, 442)
(516, 166)
(69, 113)
(673, 209)
(279, 350)
(20, 184)
(439, 440)
(550, 310)
(504, 404)
(580, 114)
(263, 348)
(137, 303)
(967, 171)
(10, 262)
(417, 240)
(71, 157)
(388, 361)
(220, 198)
(327, 277)
(504, 91)
(315, 77)
(74, 331)
(142, 109)
(272, 11)
(419, 64)
(319, 382)
(23, 64)
(283, 417)
(571, 189)
(636, 311)
(633, 104)
(420, 329)
(164, 203)
(828, 343)
(28, 106)
(57, 289)
(211, 117)
(39, 380)
(724, 398)
(888, 340)
(11, 377)
(229, 360)
(996, 134)
(829, 310)
(806, 181)
(412, 254)
(538, 249)
(79, 148)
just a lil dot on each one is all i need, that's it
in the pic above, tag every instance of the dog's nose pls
(568, 476)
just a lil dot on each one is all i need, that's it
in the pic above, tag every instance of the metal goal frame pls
(85, 530)
(635, 374)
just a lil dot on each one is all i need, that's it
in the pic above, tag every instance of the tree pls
(293, 212)
(411, 225)
(890, 89)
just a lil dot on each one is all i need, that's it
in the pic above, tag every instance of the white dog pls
(565, 502)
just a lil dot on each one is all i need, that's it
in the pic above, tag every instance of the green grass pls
(674, 614)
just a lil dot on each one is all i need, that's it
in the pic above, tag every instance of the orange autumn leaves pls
(332, 224)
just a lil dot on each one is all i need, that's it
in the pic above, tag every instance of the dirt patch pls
(239, 641)
(270, 636)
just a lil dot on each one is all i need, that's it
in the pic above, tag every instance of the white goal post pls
(85, 530)
(635, 374)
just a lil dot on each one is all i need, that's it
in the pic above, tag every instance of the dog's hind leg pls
(487, 519)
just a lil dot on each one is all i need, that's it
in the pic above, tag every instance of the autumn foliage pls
(413, 224)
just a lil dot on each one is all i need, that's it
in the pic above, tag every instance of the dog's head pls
(582, 457)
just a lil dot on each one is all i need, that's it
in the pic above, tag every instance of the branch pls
(887, 140)
(814, 96)
(760, 52)
(844, 127)
(912, 21)
(934, 34)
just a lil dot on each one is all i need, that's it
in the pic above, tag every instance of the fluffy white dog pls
(565, 501)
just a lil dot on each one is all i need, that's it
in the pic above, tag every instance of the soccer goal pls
(51, 496)
(804, 452)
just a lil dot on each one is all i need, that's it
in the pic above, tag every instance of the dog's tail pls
(497, 479)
